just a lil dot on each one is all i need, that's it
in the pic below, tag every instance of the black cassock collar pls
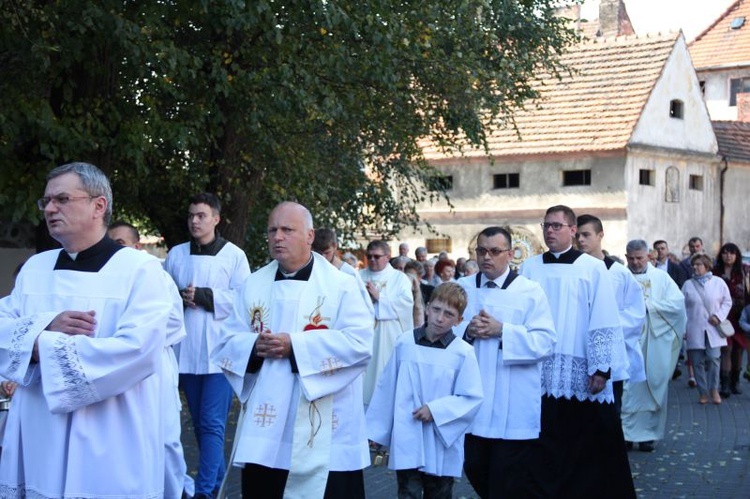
(91, 259)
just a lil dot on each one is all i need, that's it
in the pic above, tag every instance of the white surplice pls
(393, 315)
(85, 420)
(448, 381)
(632, 308)
(223, 273)
(511, 375)
(176, 478)
(330, 326)
(644, 404)
(585, 313)
(348, 269)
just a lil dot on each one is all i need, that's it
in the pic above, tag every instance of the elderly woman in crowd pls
(729, 267)
(430, 276)
(707, 303)
(471, 267)
(446, 270)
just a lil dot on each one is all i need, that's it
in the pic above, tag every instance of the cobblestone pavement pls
(705, 453)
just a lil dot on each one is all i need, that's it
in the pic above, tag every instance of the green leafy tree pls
(324, 102)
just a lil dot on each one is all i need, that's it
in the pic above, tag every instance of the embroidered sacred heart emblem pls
(315, 318)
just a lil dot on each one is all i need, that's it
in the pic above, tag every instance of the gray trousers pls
(706, 365)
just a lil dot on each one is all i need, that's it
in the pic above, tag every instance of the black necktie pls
(490, 284)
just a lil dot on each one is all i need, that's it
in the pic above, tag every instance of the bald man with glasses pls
(509, 323)
(392, 299)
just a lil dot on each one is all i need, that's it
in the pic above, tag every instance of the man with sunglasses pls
(584, 449)
(83, 335)
(390, 293)
(509, 323)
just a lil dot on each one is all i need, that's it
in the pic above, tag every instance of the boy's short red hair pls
(452, 294)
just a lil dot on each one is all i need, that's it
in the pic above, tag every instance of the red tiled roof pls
(734, 139)
(595, 108)
(719, 44)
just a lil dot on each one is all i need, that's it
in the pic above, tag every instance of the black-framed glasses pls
(59, 200)
(492, 251)
(554, 225)
(374, 257)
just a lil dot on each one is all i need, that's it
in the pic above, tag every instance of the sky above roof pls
(652, 16)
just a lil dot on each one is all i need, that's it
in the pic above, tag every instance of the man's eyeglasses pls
(492, 251)
(553, 225)
(59, 200)
(375, 257)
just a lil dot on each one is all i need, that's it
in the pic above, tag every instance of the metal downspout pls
(721, 199)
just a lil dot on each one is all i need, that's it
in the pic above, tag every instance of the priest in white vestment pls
(509, 323)
(83, 335)
(644, 404)
(426, 399)
(294, 350)
(391, 296)
(585, 453)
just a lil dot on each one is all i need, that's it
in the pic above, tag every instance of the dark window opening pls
(506, 181)
(696, 182)
(442, 182)
(737, 86)
(577, 177)
(646, 177)
(676, 109)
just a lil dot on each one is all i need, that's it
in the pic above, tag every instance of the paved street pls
(705, 453)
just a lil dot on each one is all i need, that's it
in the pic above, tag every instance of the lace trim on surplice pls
(78, 390)
(566, 376)
(20, 492)
(600, 348)
(17, 340)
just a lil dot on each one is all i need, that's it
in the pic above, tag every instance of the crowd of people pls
(533, 381)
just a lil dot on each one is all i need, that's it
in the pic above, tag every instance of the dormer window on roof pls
(676, 109)
(737, 22)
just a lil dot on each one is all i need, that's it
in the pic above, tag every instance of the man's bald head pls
(290, 235)
(124, 234)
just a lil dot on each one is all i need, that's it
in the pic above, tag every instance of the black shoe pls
(677, 373)
(646, 446)
(734, 383)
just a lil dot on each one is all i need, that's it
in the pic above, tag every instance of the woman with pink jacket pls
(707, 303)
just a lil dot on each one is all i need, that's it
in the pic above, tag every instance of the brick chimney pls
(613, 19)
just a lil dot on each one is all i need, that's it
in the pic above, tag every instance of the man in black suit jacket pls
(675, 270)
(678, 275)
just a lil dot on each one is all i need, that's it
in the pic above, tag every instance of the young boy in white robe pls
(426, 399)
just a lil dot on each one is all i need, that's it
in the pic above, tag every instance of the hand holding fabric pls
(72, 322)
(597, 383)
(423, 414)
(273, 346)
